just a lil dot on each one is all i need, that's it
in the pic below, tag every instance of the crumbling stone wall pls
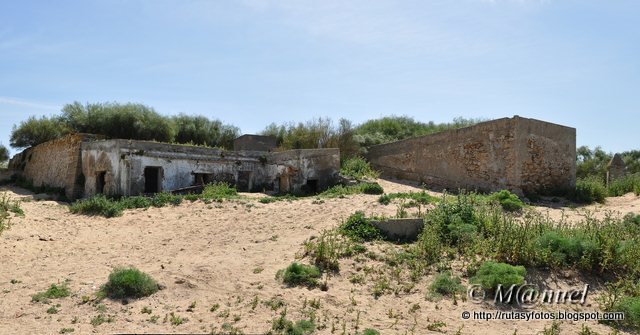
(518, 154)
(616, 169)
(54, 164)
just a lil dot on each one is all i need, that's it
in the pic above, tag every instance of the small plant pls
(214, 307)
(192, 307)
(359, 228)
(97, 205)
(358, 168)
(52, 310)
(491, 274)
(371, 188)
(100, 319)
(54, 292)
(589, 190)
(66, 330)
(146, 310)
(630, 306)
(129, 283)
(553, 330)
(446, 285)
(176, 320)
(370, 331)
(509, 201)
(301, 274)
(435, 326)
(218, 192)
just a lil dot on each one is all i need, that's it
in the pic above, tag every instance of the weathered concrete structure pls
(400, 229)
(616, 169)
(83, 166)
(518, 154)
(254, 143)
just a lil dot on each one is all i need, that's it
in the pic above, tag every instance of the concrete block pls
(400, 229)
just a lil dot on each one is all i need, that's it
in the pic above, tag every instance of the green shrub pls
(568, 250)
(164, 198)
(129, 283)
(371, 188)
(300, 274)
(445, 284)
(358, 168)
(53, 292)
(630, 306)
(509, 201)
(135, 202)
(370, 331)
(491, 274)
(359, 228)
(589, 190)
(218, 191)
(624, 185)
(97, 205)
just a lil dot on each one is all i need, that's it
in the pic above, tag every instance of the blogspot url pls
(538, 315)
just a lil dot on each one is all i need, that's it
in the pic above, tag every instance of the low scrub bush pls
(129, 283)
(445, 285)
(630, 306)
(218, 191)
(165, 198)
(298, 274)
(358, 168)
(509, 201)
(491, 274)
(589, 190)
(359, 228)
(328, 248)
(624, 185)
(97, 205)
(568, 250)
(371, 188)
(53, 292)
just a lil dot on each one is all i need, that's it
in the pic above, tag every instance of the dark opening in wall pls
(100, 181)
(152, 179)
(311, 186)
(244, 181)
(203, 178)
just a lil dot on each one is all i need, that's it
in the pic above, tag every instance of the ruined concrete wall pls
(546, 154)
(510, 153)
(303, 165)
(52, 164)
(122, 164)
(254, 143)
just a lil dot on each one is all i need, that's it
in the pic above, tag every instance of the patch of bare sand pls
(220, 253)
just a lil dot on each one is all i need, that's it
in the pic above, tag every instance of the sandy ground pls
(227, 254)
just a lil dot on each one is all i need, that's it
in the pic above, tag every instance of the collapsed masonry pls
(84, 165)
(519, 154)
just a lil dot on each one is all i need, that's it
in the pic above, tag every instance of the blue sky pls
(253, 62)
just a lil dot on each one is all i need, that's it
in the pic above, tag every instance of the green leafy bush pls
(359, 228)
(371, 188)
(97, 205)
(445, 284)
(358, 168)
(589, 190)
(491, 274)
(624, 185)
(509, 201)
(630, 306)
(129, 283)
(53, 292)
(164, 198)
(300, 274)
(218, 191)
(370, 331)
(568, 250)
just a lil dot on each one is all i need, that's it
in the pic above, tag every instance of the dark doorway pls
(244, 181)
(312, 186)
(100, 181)
(152, 179)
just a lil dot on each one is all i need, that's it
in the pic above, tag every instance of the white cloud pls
(27, 103)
